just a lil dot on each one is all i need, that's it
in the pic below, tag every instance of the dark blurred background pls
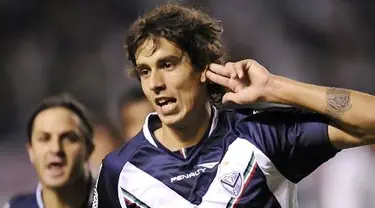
(48, 47)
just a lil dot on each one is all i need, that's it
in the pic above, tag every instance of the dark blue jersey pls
(31, 200)
(25, 200)
(35, 200)
(248, 158)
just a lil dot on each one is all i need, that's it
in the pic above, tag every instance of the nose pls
(56, 146)
(156, 82)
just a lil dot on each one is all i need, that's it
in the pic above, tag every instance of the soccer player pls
(354, 188)
(193, 154)
(59, 146)
(105, 139)
(133, 107)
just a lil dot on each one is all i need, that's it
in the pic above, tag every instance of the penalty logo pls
(232, 183)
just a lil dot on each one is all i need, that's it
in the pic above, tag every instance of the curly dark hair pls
(193, 31)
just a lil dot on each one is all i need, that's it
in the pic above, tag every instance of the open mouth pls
(167, 105)
(55, 165)
(164, 101)
(56, 169)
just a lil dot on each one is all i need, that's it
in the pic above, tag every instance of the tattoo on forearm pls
(338, 102)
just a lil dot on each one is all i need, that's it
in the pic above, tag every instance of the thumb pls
(229, 97)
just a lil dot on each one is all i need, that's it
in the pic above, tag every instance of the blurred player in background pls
(134, 107)
(192, 154)
(59, 146)
(106, 139)
(347, 181)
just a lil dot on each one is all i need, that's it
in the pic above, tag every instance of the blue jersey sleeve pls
(106, 188)
(24, 200)
(295, 140)
(105, 192)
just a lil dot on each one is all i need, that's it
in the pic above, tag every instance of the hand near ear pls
(246, 80)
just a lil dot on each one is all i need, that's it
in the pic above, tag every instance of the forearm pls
(353, 110)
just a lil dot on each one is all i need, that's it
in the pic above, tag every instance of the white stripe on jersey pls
(284, 190)
(236, 159)
(238, 155)
(157, 194)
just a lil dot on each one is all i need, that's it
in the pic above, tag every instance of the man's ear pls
(30, 152)
(203, 77)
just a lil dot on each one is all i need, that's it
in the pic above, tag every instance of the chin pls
(55, 183)
(174, 120)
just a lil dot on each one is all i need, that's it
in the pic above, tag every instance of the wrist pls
(269, 94)
(280, 90)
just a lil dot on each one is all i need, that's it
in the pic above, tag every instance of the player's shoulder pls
(23, 200)
(117, 159)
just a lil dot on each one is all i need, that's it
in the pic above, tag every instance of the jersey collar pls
(39, 198)
(147, 132)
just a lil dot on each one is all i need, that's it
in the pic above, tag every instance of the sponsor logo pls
(209, 165)
(202, 168)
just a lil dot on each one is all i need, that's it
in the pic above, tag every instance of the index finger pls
(218, 79)
(219, 69)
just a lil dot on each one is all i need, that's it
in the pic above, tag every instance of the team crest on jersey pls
(232, 183)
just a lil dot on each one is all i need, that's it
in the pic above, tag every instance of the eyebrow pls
(62, 134)
(42, 133)
(160, 61)
(68, 133)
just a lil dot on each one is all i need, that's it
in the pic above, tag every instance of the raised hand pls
(246, 80)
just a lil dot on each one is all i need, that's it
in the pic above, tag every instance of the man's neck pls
(177, 138)
(74, 196)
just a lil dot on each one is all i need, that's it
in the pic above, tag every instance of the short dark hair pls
(65, 101)
(192, 30)
(132, 94)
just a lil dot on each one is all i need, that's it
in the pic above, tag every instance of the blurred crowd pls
(49, 47)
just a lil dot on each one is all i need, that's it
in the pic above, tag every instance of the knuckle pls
(228, 64)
